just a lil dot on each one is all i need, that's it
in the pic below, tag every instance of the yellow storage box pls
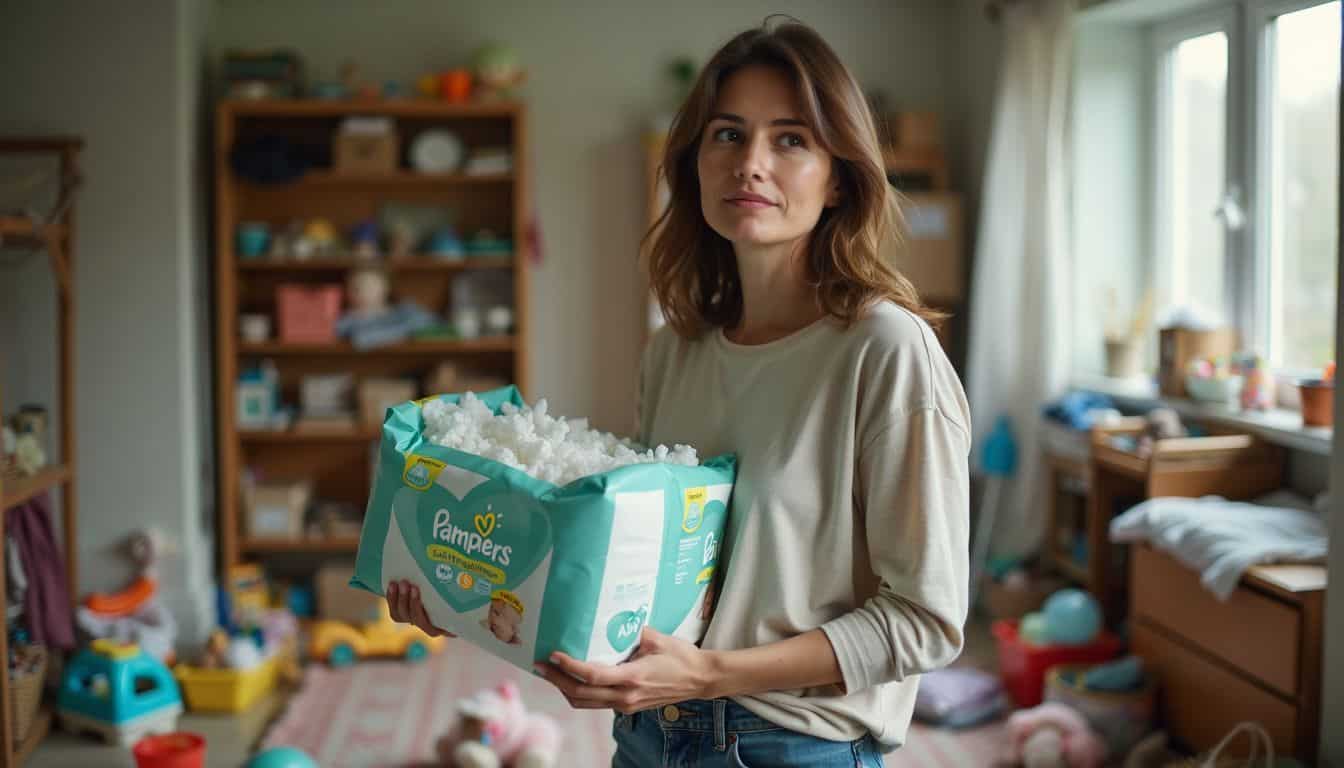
(225, 690)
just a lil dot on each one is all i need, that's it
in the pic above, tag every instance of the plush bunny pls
(1054, 735)
(494, 730)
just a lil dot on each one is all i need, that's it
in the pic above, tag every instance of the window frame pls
(1163, 36)
(1259, 41)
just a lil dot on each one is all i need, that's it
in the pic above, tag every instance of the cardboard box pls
(339, 601)
(915, 129)
(1178, 346)
(931, 251)
(365, 153)
(377, 395)
(276, 510)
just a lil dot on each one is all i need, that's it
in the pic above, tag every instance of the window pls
(1245, 97)
(1302, 116)
(1193, 150)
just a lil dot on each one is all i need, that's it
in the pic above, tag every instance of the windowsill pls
(1277, 425)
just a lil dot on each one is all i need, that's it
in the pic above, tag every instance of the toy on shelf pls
(135, 614)
(498, 72)
(170, 750)
(495, 729)
(118, 692)
(341, 644)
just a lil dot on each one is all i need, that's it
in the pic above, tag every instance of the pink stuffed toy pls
(1054, 735)
(495, 730)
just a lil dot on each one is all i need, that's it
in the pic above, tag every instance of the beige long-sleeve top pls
(850, 512)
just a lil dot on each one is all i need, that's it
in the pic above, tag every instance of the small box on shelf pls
(308, 314)
(276, 509)
(377, 395)
(1178, 346)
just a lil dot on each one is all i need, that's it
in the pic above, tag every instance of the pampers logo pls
(470, 542)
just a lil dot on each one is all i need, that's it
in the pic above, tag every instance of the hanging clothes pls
(47, 602)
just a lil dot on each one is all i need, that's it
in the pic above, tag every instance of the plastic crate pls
(226, 690)
(1023, 666)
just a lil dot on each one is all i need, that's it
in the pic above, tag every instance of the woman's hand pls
(405, 606)
(665, 670)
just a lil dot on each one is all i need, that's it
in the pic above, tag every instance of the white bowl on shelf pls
(1224, 390)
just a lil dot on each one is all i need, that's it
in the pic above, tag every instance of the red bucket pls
(170, 750)
(1023, 665)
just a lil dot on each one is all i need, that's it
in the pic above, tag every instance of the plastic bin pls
(225, 690)
(1023, 666)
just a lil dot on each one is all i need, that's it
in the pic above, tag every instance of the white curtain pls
(1018, 345)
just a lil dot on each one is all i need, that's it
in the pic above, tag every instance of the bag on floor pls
(522, 567)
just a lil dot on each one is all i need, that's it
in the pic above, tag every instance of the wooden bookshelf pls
(54, 236)
(336, 461)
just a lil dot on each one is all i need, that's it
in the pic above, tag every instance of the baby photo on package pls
(528, 534)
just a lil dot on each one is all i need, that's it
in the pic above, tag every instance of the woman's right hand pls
(405, 606)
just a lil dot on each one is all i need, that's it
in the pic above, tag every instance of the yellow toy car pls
(340, 644)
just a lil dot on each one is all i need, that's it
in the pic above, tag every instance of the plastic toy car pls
(340, 644)
(119, 692)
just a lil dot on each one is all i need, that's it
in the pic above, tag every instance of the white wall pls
(594, 77)
(118, 76)
(1110, 175)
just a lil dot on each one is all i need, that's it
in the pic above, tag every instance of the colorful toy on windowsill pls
(118, 692)
(494, 728)
(340, 644)
(1214, 380)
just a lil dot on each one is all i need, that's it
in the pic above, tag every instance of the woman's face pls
(763, 178)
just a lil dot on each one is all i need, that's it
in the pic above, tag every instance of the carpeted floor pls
(389, 714)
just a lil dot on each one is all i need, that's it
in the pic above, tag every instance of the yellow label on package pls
(694, 512)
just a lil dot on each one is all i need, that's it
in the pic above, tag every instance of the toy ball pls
(1032, 629)
(1072, 617)
(282, 757)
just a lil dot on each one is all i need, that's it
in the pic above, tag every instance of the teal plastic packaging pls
(522, 567)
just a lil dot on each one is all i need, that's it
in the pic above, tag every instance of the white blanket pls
(1223, 538)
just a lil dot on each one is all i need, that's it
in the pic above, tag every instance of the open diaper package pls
(529, 534)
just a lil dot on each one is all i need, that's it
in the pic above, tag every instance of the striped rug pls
(389, 714)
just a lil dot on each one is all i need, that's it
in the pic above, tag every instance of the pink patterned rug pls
(389, 714)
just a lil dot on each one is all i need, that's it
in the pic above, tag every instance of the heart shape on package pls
(491, 539)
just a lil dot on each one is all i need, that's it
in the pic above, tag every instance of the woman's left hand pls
(665, 670)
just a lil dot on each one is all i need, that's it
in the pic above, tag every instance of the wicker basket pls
(25, 695)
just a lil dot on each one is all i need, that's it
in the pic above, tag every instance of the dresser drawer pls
(1201, 701)
(1251, 631)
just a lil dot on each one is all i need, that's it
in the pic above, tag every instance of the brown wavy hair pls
(692, 269)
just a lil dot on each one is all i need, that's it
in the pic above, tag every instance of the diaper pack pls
(522, 567)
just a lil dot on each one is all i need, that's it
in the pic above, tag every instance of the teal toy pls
(282, 757)
(118, 692)
(1072, 617)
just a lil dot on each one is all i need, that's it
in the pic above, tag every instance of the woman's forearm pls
(803, 661)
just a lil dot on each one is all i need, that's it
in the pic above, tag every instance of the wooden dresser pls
(1256, 656)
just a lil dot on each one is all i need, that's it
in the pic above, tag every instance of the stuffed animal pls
(495, 729)
(1054, 735)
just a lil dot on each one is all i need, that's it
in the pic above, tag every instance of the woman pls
(793, 344)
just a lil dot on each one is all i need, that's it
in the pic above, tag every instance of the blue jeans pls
(696, 734)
